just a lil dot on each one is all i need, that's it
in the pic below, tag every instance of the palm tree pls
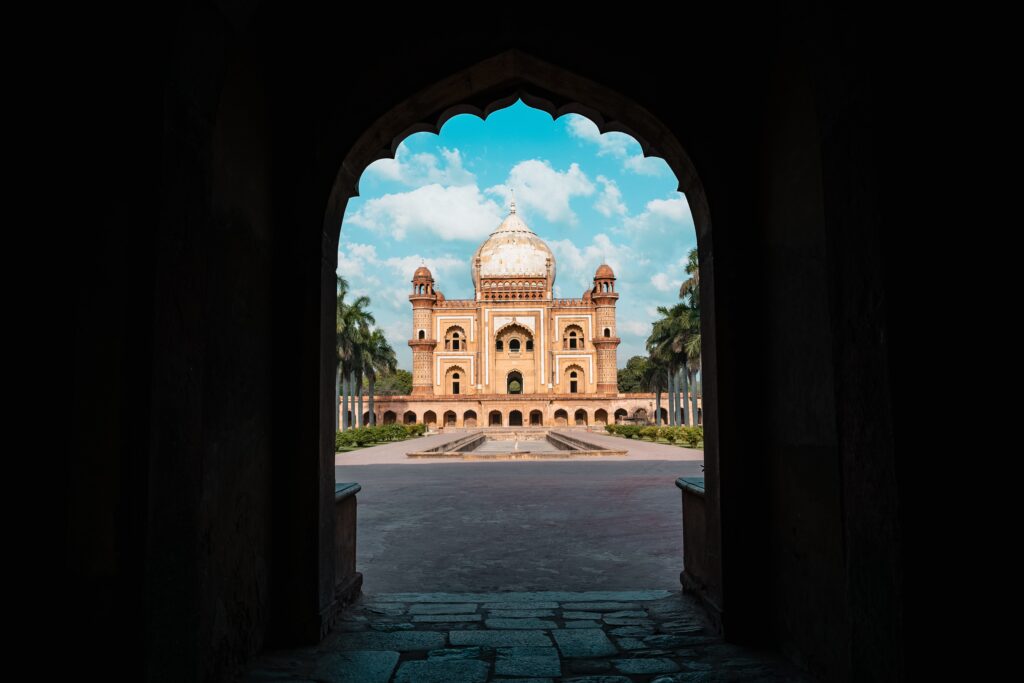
(654, 378)
(667, 347)
(353, 329)
(339, 334)
(691, 285)
(378, 357)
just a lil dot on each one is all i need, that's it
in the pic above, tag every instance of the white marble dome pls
(512, 250)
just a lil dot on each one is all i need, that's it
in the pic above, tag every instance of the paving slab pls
(356, 667)
(443, 671)
(445, 618)
(528, 661)
(521, 624)
(401, 641)
(520, 613)
(584, 642)
(500, 638)
(443, 608)
(645, 665)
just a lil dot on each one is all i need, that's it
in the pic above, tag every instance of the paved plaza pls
(529, 571)
(608, 523)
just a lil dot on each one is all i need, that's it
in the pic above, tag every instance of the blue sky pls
(591, 197)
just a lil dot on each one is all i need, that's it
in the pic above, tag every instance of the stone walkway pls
(650, 636)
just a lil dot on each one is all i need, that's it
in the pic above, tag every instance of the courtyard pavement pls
(536, 637)
(532, 571)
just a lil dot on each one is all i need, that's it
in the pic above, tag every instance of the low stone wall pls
(347, 581)
(695, 576)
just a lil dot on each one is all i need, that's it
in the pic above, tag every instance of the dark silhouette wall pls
(198, 505)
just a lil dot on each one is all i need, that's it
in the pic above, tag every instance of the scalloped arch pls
(497, 83)
(526, 330)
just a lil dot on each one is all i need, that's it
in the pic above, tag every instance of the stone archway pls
(469, 418)
(494, 418)
(408, 418)
(620, 415)
(580, 418)
(515, 419)
(389, 417)
(561, 418)
(536, 418)
(430, 418)
(601, 416)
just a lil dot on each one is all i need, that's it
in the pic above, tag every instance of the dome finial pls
(512, 205)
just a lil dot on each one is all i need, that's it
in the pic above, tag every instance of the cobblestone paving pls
(651, 636)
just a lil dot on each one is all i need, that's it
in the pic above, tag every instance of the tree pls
(630, 378)
(378, 357)
(353, 331)
(396, 383)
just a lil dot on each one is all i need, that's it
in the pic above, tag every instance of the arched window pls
(573, 338)
(573, 387)
(455, 383)
(453, 380)
(423, 335)
(515, 383)
(529, 345)
(499, 346)
(513, 345)
(607, 332)
(455, 339)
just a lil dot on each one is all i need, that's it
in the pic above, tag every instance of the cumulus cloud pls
(419, 169)
(610, 200)
(635, 327)
(540, 187)
(662, 282)
(575, 266)
(660, 217)
(615, 144)
(451, 213)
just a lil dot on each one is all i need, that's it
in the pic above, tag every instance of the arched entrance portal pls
(469, 418)
(601, 416)
(449, 418)
(536, 418)
(390, 417)
(494, 418)
(580, 417)
(515, 419)
(515, 382)
(561, 418)
(409, 418)
(430, 418)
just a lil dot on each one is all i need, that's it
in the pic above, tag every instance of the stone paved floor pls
(653, 636)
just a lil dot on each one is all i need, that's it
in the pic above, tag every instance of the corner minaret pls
(606, 339)
(423, 298)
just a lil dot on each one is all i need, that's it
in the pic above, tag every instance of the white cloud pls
(576, 267)
(635, 327)
(615, 144)
(451, 213)
(610, 200)
(662, 282)
(539, 186)
(417, 170)
(660, 216)
(641, 165)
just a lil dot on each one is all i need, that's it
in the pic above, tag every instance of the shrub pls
(611, 429)
(649, 433)
(669, 434)
(692, 436)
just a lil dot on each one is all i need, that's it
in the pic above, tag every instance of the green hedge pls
(691, 436)
(363, 436)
